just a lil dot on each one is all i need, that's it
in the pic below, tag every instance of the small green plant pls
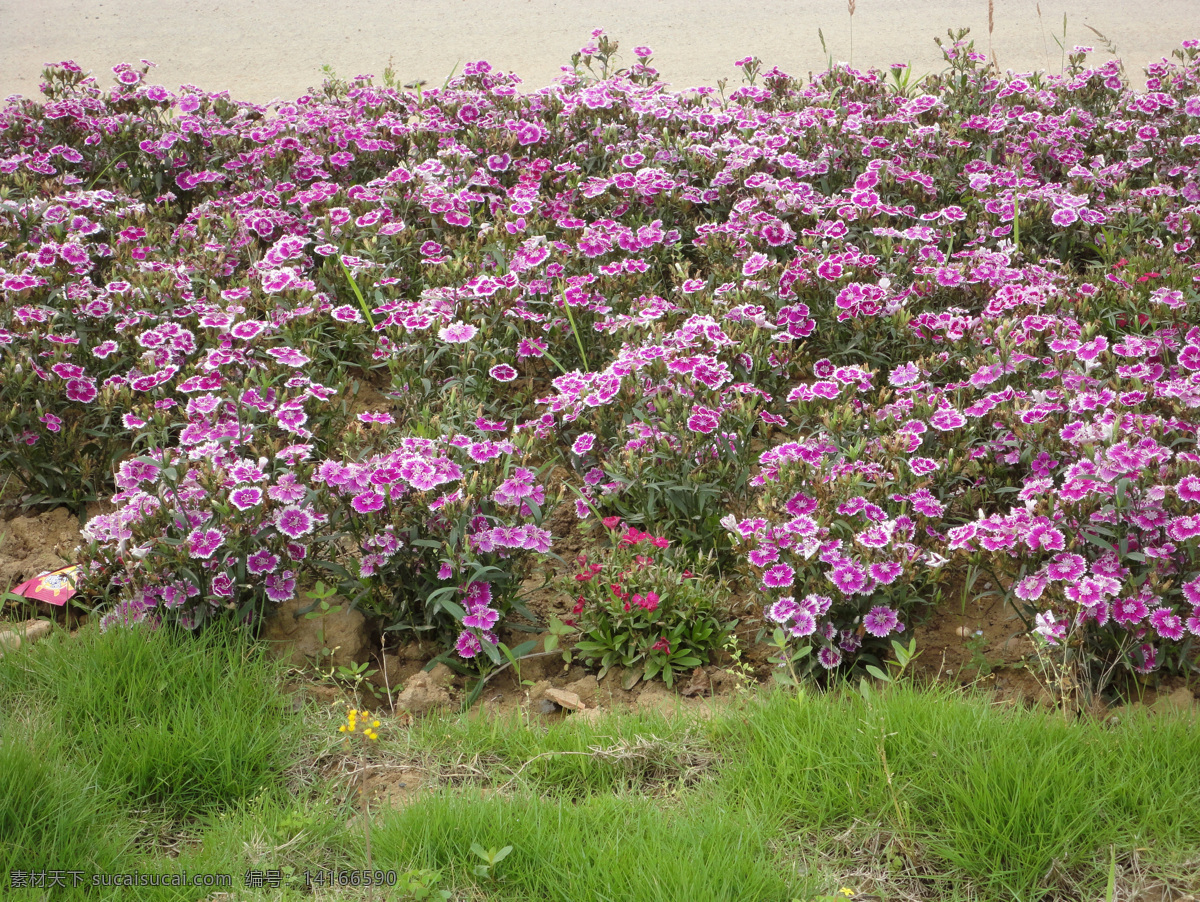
(559, 632)
(738, 666)
(642, 609)
(355, 676)
(786, 657)
(491, 859)
(321, 609)
(905, 655)
(977, 645)
(422, 885)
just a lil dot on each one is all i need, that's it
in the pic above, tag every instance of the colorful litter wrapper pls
(54, 587)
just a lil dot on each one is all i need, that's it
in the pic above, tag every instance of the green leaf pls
(524, 648)
(878, 674)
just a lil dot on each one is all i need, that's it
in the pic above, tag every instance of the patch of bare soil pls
(32, 544)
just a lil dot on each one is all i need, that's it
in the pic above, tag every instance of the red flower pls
(661, 645)
(648, 603)
(611, 522)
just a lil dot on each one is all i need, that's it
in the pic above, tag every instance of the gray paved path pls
(264, 49)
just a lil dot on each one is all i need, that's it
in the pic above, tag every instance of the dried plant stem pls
(366, 803)
(850, 4)
(991, 28)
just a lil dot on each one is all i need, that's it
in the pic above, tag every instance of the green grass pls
(175, 721)
(52, 816)
(996, 797)
(619, 846)
(144, 751)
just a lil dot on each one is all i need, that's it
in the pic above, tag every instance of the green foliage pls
(188, 723)
(642, 609)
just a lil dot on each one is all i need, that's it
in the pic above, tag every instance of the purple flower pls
(1149, 658)
(905, 374)
(762, 557)
(805, 624)
(819, 605)
(502, 372)
(287, 490)
(880, 621)
(531, 347)
(203, 542)
(1167, 623)
(366, 502)
(584, 443)
(262, 561)
(81, 390)
(1066, 567)
(783, 610)
(247, 330)
(947, 419)
(468, 645)
(1128, 611)
(481, 617)
(1064, 217)
(1031, 587)
(457, 333)
(849, 578)
(445, 571)
(294, 522)
(289, 357)
(478, 593)
(1189, 488)
(1050, 627)
(778, 577)
(886, 572)
(703, 420)
(754, 263)
(281, 587)
(922, 466)
(377, 416)
(1191, 592)
(829, 657)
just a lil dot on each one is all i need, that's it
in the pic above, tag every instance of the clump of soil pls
(32, 544)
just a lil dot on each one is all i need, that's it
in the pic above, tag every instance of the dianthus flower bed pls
(844, 337)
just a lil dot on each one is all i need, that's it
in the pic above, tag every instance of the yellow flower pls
(846, 891)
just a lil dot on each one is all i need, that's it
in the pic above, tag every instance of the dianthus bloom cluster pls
(854, 335)
(639, 608)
